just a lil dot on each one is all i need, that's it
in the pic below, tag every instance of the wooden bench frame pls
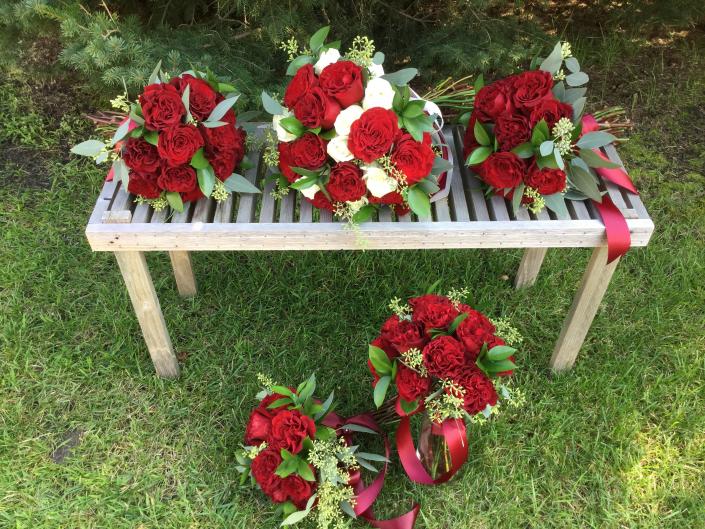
(466, 219)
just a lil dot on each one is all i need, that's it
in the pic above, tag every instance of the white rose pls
(311, 191)
(376, 70)
(378, 182)
(282, 133)
(378, 93)
(346, 118)
(327, 58)
(338, 149)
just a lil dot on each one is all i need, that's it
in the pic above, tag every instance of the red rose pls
(511, 129)
(474, 331)
(393, 199)
(546, 181)
(201, 98)
(410, 384)
(180, 179)
(433, 311)
(320, 201)
(346, 183)
(502, 170)
(143, 184)
(403, 335)
(479, 391)
(224, 148)
(550, 110)
(260, 422)
(294, 488)
(141, 156)
(492, 100)
(469, 140)
(179, 143)
(301, 83)
(285, 162)
(308, 152)
(444, 357)
(263, 469)
(223, 164)
(373, 133)
(343, 81)
(530, 88)
(316, 109)
(161, 106)
(192, 196)
(289, 429)
(413, 158)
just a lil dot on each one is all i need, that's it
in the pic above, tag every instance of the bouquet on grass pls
(178, 143)
(528, 140)
(301, 455)
(351, 138)
(446, 360)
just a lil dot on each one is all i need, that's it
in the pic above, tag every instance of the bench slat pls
(224, 210)
(203, 209)
(269, 205)
(472, 186)
(142, 213)
(442, 210)
(161, 216)
(305, 209)
(122, 201)
(457, 193)
(578, 209)
(385, 214)
(105, 198)
(287, 207)
(246, 207)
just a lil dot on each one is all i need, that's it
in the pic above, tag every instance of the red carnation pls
(410, 384)
(143, 184)
(530, 88)
(289, 429)
(372, 135)
(180, 179)
(161, 106)
(444, 357)
(308, 152)
(433, 311)
(202, 97)
(474, 331)
(546, 181)
(479, 391)
(301, 83)
(343, 81)
(141, 156)
(492, 100)
(316, 109)
(294, 488)
(550, 110)
(502, 170)
(346, 183)
(260, 422)
(403, 335)
(413, 158)
(511, 129)
(320, 201)
(179, 143)
(192, 196)
(263, 469)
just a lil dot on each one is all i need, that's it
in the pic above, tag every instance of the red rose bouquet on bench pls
(446, 360)
(178, 143)
(350, 137)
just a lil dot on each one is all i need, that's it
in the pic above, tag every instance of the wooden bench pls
(465, 219)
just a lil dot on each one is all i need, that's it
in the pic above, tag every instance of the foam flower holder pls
(301, 455)
(529, 141)
(440, 358)
(351, 138)
(177, 143)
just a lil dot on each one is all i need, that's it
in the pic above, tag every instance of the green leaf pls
(318, 38)
(481, 134)
(572, 64)
(297, 63)
(573, 94)
(380, 360)
(597, 139)
(594, 160)
(584, 181)
(457, 321)
(175, 201)
(428, 185)
(419, 202)
(295, 517)
(372, 457)
(498, 367)
(121, 172)
(279, 402)
(408, 407)
(271, 105)
(305, 471)
(324, 407)
(151, 137)
(464, 118)
(304, 182)
(88, 148)
(292, 125)
(577, 79)
(516, 197)
(186, 102)
(236, 183)
(378, 58)
(282, 390)
(479, 155)
(546, 147)
(479, 83)
(364, 214)
(222, 108)
(559, 90)
(433, 287)
(247, 116)
(214, 124)
(524, 150)
(199, 160)
(413, 109)
(328, 134)
(364, 464)
(553, 62)
(206, 180)
(578, 107)
(121, 132)
(381, 390)
(347, 509)
(226, 88)
(401, 77)
(306, 172)
(556, 203)
(154, 77)
(357, 428)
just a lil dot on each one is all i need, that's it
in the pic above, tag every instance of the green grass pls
(617, 442)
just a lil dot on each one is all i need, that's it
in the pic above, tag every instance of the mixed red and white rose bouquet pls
(528, 140)
(178, 143)
(446, 359)
(351, 138)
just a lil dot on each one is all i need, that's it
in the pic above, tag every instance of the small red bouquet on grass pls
(178, 143)
(528, 140)
(351, 138)
(447, 360)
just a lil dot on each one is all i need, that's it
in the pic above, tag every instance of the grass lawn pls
(89, 437)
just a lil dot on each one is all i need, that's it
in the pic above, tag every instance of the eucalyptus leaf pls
(553, 62)
(351, 427)
(214, 124)
(516, 197)
(271, 105)
(154, 76)
(546, 148)
(559, 90)
(121, 172)
(295, 517)
(236, 183)
(572, 64)
(121, 131)
(186, 101)
(222, 108)
(578, 107)
(573, 94)
(556, 203)
(88, 148)
(297, 63)
(595, 160)
(584, 181)
(247, 116)
(596, 139)
(175, 201)
(577, 79)
(378, 58)
(401, 77)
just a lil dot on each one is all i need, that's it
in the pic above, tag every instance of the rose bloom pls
(308, 151)
(393, 199)
(179, 143)
(378, 93)
(304, 79)
(141, 156)
(285, 162)
(289, 429)
(403, 335)
(492, 100)
(346, 118)
(202, 97)
(337, 149)
(479, 391)
(413, 158)
(161, 106)
(530, 88)
(316, 109)
(143, 184)
(180, 179)
(342, 80)
(260, 422)
(444, 357)
(550, 110)
(411, 385)
(378, 182)
(223, 163)
(373, 134)
(502, 170)
(345, 183)
(546, 181)
(433, 311)
(511, 129)
(328, 57)
(474, 331)
(320, 201)
(469, 140)
(192, 196)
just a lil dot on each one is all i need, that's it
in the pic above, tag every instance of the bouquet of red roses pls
(178, 143)
(443, 358)
(528, 140)
(352, 138)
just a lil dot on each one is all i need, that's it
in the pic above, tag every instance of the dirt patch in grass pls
(23, 167)
(70, 440)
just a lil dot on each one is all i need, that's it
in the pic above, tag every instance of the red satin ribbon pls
(453, 431)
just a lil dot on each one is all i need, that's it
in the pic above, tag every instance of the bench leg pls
(529, 267)
(149, 312)
(592, 288)
(183, 272)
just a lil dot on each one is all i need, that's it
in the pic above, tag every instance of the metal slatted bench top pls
(467, 218)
